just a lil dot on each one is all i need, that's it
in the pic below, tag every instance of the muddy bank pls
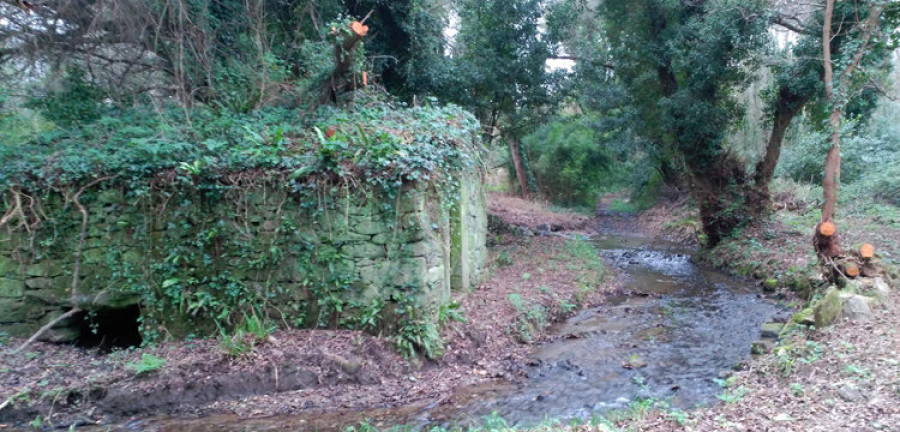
(315, 371)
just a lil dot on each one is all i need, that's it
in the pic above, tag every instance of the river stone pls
(634, 362)
(881, 287)
(771, 330)
(856, 308)
(851, 393)
(60, 335)
(828, 308)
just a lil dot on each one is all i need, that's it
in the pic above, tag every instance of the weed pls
(726, 383)
(679, 416)
(732, 396)
(503, 259)
(858, 371)
(245, 337)
(450, 312)
(849, 346)
(637, 410)
(148, 363)
(417, 333)
(797, 389)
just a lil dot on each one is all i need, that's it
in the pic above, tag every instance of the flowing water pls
(676, 331)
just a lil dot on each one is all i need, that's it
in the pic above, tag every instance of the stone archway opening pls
(109, 329)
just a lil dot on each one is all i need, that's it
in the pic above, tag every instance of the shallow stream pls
(677, 329)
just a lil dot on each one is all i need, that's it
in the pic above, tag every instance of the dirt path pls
(306, 372)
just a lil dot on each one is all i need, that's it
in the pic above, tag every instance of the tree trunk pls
(516, 153)
(827, 245)
(788, 106)
(343, 59)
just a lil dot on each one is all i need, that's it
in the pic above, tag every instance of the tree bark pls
(828, 247)
(515, 150)
(788, 106)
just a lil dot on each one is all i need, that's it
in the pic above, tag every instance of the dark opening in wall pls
(109, 329)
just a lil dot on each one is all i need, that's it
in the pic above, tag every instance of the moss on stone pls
(828, 308)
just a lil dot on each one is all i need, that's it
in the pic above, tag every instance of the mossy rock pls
(770, 284)
(828, 309)
(761, 347)
(771, 330)
(800, 285)
(805, 317)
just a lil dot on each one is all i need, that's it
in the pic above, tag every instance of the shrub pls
(804, 160)
(569, 162)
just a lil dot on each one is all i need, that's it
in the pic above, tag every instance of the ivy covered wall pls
(204, 222)
(196, 261)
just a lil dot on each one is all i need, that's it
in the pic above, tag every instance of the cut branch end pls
(827, 229)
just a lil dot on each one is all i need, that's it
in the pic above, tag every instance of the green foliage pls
(241, 341)
(732, 395)
(148, 363)
(140, 144)
(77, 101)
(680, 64)
(569, 162)
(498, 66)
(504, 259)
(803, 161)
(531, 318)
(417, 332)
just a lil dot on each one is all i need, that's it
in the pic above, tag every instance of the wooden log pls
(826, 241)
(867, 251)
(827, 228)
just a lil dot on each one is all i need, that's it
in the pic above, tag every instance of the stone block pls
(9, 267)
(46, 269)
(419, 249)
(371, 227)
(11, 288)
(107, 299)
(386, 238)
(13, 311)
(48, 297)
(364, 250)
(39, 283)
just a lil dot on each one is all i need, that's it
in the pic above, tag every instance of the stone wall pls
(184, 258)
